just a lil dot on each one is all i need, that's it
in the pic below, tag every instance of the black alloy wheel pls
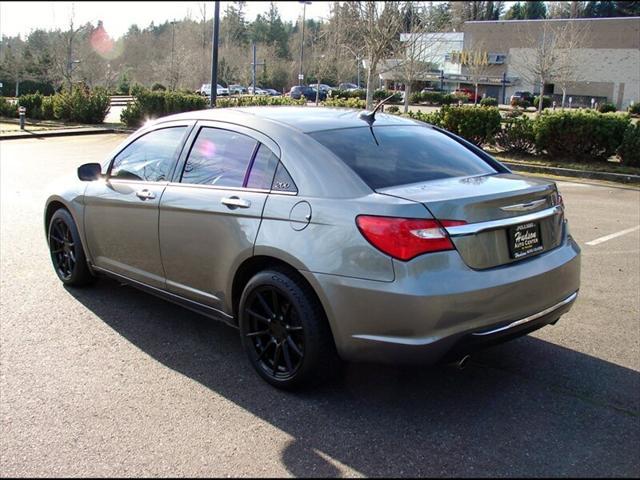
(67, 254)
(275, 332)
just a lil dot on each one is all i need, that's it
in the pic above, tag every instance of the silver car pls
(322, 234)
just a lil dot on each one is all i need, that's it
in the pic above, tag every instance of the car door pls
(210, 214)
(121, 211)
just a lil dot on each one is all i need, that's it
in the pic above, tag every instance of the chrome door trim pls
(530, 318)
(473, 228)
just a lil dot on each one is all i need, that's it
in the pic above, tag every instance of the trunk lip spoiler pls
(474, 228)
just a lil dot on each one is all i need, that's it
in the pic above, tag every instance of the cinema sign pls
(476, 57)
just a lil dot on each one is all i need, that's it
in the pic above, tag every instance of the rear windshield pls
(402, 155)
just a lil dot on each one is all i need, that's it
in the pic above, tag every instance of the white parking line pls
(613, 235)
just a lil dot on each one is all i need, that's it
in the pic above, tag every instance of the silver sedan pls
(322, 234)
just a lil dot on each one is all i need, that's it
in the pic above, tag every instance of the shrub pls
(392, 109)
(629, 149)
(489, 102)
(81, 105)
(47, 107)
(8, 109)
(449, 98)
(513, 114)
(606, 108)
(520, 102)
(381, 94)
(478, 125)
(433, 118)
(345, 94)
(517, 135)
(345, 103)
(258, 100)
(32, 102)
(459, 97)
(546, 102)
(634, 109)
(148, 104)
(581, 134)
(158, 86)
(415, 98)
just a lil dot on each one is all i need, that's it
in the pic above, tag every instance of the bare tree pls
(377, 28)
(567, 69)
(538, 63)
(418, 52)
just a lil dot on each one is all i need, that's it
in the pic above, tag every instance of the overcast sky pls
(23, 17)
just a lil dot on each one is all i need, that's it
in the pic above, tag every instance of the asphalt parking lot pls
(109, 381)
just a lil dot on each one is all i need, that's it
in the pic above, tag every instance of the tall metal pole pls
(253, 69)
(173, 43)
(304, 11)
(358, 68)
(214, 54)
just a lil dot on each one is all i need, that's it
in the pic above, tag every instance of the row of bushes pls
(361, 94)
(81, 105)
(581, 135)
(152, 104)
(436, 98)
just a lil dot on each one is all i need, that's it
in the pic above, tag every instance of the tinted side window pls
(282, 181)
(263, 168)
(219, 157)
(150, 157)
(402, 155)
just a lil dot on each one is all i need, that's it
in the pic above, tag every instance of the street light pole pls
(304, 11)
(214, 55)
(173, 43)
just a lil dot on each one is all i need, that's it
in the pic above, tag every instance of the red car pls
(469, 93)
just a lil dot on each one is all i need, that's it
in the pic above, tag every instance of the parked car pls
(348, 86)
(258, 91)
(273, 92)
(521, 96)
(321, 234)
(205, 89)
(309, 93)
(237, 89)
(323, 87)
(471, 94)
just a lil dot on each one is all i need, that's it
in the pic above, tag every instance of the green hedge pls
(489, 102)
(546, 102)
(634, 109)
(258, 100)
(607, 107)
(8, 109)
(436, 98)
(149, 105)
(345, 102)
(629, 149)
(81, 105)
(478, 125)
(517, 135)
(580, 135)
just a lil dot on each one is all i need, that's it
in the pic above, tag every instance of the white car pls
(205, 89)
(259, 91)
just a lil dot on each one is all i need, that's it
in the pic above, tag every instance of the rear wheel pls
(284, 331)
(66, 250)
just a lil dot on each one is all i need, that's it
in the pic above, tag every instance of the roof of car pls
(305, 119)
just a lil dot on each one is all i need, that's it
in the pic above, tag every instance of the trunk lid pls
(493, 206)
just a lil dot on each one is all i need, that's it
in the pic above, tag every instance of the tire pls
(67, 254)
(294, 325)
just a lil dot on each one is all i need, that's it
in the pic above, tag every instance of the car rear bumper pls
(438, 308)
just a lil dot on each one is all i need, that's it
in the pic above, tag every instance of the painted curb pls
(570, 172)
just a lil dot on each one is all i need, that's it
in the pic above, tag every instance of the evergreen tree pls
(516, 12)
(535, 10)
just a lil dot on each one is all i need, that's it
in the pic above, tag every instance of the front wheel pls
(66, 250)
(284, 330)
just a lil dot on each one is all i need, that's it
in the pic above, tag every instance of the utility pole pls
(304, 11)
(214, 55)
(254, 64)
(173, 42)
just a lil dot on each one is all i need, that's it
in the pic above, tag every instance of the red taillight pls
(406, 238)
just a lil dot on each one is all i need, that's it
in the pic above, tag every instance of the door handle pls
(145, 194)
(235, 202)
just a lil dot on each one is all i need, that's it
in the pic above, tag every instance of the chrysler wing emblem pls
(524, 207)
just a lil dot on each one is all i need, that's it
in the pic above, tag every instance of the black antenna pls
(370, 117)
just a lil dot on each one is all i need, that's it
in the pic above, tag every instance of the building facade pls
(595, 59)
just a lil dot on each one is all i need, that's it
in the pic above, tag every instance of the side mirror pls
(89, 172)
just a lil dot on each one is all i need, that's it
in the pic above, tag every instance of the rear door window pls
(219, 157)
(400, 155)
